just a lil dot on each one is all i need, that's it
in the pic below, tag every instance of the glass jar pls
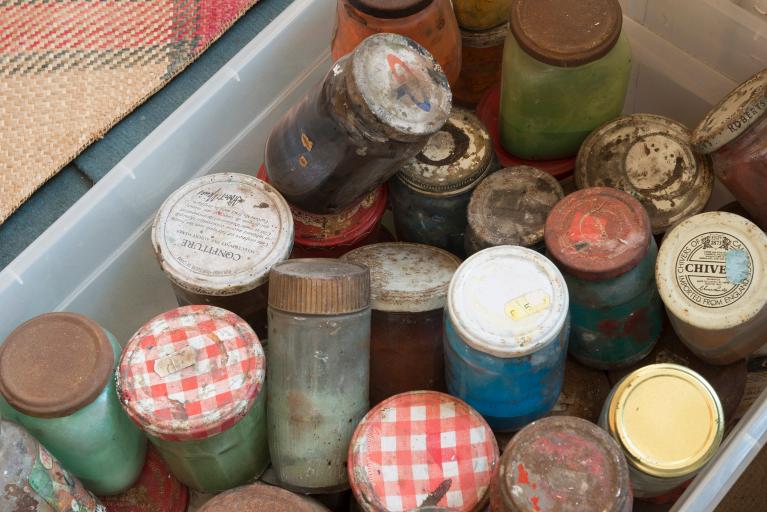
(481, 15)
(375, 110)
(319, 369)
(261, 498)
(56, 379)
(566, 68)
(192, 378)
(482, 54)
(506, 331)
(408, 289)
(216, 239)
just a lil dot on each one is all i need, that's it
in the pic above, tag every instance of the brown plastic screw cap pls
(390, 8)
(55, 364)
(259, 498)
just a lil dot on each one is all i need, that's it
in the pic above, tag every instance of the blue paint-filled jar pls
(506, 333)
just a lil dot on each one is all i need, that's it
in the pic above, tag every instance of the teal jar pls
(56, 381)
(193, 380)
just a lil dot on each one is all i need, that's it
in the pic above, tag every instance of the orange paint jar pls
(482, 54)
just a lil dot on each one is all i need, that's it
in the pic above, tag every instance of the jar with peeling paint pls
(478, 15)
(319, 369)
(430, 194)
(56, 381)
(192, 378)
(216, 238)
(480, 64)
(375, 109)
(506, 331)
(260, 498)
(408, 287)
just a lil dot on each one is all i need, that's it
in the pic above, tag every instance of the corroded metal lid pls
(649, 157)
(261, 498)
(495, 36)
(55, 364)
(390, 8)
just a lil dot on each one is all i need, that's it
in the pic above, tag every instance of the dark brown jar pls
(376, 108)
(481, 64)
(261, 498)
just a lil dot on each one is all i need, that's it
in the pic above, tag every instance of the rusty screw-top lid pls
(566, 33)
(651, 158)
(390, 8)
(489, 38)
(261, 498)
(55, 364)
(319, 286)
(598, 233)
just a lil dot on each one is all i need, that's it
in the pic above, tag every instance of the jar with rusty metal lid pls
(216, 239)
(649, 157)
(408, 290)
(430, 194)
(712, 277)
(374, 111)
(510, 208)
(506, 332)
(261, 498)
(319, 369)
(481, 15)
(422, 448)
(192, 378)
(482, 55)
(56, 381)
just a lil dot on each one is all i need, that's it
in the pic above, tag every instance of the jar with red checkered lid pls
(192, 378)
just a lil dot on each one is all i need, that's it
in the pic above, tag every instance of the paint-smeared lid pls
(649, 157)
(406, 277)
(190, 373)
(485, 38)
(422, 448)
(508, 301)
(390, 8)
(261, 498)
(220, 234)
(740, 109)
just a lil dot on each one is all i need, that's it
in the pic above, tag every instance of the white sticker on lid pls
(175, 362)
(528, 304)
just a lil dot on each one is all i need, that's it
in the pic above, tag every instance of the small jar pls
(506, 331)
(480, 15)
(192, 378)
(650, 158)
(566, 464)
(430, 194)
(734, 134)
(422, 448)
(712, 277)
(56, 378)
(319, 369)
(33, 480)
(584, 391)
(482, 54)
(261, 498)
(430, 23)
(408, 290)
(216, 239)
(510, 208)
(669, 423)
(566, 71)
(601, 241)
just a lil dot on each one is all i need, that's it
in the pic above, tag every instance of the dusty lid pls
(510, 207)
(508, 301)
(422, 448)
(190, 373)
(667, 418)
(733, 115)
(390, 8)
(649, 157)
(220, 234)
(566, 33)
(261, 498)
(406, 277)
(55, 364)
(495, 36)
(566, 464)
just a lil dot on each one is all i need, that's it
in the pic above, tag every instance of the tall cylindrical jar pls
(506, 331)
(56, 378)
(319, 369)
(261, 498)
(192, 378)
(480, 64)
(480, 15)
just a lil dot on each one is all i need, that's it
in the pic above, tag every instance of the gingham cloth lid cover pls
(422, 448)
(191, 373)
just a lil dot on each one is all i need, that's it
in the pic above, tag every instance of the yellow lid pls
(667, 418)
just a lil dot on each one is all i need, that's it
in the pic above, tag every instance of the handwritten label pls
(175, 362)
(528, 304)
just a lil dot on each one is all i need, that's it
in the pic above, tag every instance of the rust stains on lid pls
(261, 498)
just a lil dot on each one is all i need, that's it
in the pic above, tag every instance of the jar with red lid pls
(480, 64)
(261, 498)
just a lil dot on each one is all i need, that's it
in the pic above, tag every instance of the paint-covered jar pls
(216, 239)
(506, 332)
(566, 68)
(481, 15)
(601, 241)
(510, 208)
(56, 381)
(430, 194)
(422, 448)
(734, 135)
(650, 158)
(261, 498)
(319, 369)
(669, 424)
(712, 277)
(408, 288)
(480, 64)
(192, 378)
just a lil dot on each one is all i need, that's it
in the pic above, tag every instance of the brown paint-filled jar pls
(259, 498)
(481, 64)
